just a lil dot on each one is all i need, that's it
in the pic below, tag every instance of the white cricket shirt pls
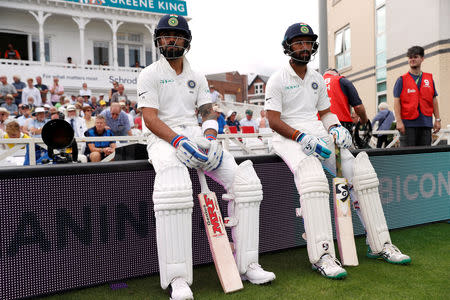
(175, 96)
(298, 100)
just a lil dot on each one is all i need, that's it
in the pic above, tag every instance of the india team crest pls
(173, 21)
(191, 84)
(304, 29)
(314, 85)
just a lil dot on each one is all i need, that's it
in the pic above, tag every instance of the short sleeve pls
(398, 87)
(323, 102)
(274, 96)
(147, 91)
(203, 96)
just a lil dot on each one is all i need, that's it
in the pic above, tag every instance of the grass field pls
(428, 276)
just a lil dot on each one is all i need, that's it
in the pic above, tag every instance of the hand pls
(213, 149)
(400, 126)
(342, 136)
(437, 126)
(312, 145)
(188, 152)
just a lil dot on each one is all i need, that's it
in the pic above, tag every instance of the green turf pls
(426, 278)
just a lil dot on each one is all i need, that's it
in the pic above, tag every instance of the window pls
(130, 50)
(342, 47)
(134, 55)
(380, 50)
(36, 49)
(148, 56)
(121, 55)
(259, 88)
(101, 53)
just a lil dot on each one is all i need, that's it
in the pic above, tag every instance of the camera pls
(59, 135)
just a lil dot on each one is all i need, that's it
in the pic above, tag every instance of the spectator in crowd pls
(106, 63)
(100, 108)
(25, 118)
(11, 53)
(231, 120)
(136, 65)
(117, 120)
(77, 123)
(69, 60)
(12, 131)
(73, 99)
(51, 111)
(415, 102)
(68, 101)
(6, 88)
(94, 104)
(120, 94)
(56, 90)
(89, 62)
(101, 97)
(31, 91)
(79, 108)
(10, 105)
(85, 91)
(61, 101)
(344, 96)
(123, 106)
(220, 118)
(248, 120)
(262, 120)
(4, 116)
(80, 100)
(43, 89)
(215, 95)
(47, 110)
(138, 119)
(35, 128)
(30, 103)
(114, 89)
(19, 85)
(88, 118)
(96, 151)
(384, 117)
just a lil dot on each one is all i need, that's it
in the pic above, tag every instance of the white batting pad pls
(365, 183)
(172, 199)
(247, 192)
(314, 194)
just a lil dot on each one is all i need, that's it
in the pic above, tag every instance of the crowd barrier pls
(75, 225)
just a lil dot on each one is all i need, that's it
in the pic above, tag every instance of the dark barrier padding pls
(75, 225)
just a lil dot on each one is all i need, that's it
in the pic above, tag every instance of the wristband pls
(437, 120)
(176, 140)
(300, 137)
(293, 135)
(210, 137)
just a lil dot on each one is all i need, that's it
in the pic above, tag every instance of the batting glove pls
(342, 136)
(213, 150)
(188, 152)
(312, 145)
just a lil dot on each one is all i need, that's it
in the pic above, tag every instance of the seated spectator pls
(113, 90)
(138, 119)
(117, 120)
(136, 65)
(69, 60)
(11, 106)
(85, 91)
(35, 128)
(47, 110)
(262, 120)
(11, 53)
(88, 118)
(89, 62)
(248, 120)
(120, 94)
(19, 85)
(96, 151)
(61, 102)
(6, 88)
(12, 131)
(106, 63)
(31, 91)
(93, 103)
(4, 116)
(25, 118)
(220, 118)
(231, 120)
(100, 108)
(384, 117)
(30, 104)
(123, 106)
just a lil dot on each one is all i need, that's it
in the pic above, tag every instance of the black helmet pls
(295, 30)
(176, 23)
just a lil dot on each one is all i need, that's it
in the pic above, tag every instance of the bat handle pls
(337, 151)
(202, 180)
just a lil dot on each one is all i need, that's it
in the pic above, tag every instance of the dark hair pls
(415, 50)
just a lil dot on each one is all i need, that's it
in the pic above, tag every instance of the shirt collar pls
(291, 71)
(186, 65)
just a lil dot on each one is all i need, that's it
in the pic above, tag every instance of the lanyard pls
(418, 79)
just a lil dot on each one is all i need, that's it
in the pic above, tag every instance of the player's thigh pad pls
(365, 183)
(172, 199)
(247, 193)
(314, 200)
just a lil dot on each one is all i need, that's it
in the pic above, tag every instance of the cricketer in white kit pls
(169, 91)
(294, 96)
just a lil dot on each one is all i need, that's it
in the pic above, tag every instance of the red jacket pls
(411, 98)
(339, 102)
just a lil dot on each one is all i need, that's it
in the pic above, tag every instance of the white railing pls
(441, 135)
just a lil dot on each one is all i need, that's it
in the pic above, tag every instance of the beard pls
(301, 57)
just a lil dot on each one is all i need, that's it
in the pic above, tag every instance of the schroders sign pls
(177, 7)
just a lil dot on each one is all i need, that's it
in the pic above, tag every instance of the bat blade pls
(226, 267)
(343, 222)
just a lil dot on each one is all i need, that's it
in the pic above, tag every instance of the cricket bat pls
(343, 216)
(219, 244)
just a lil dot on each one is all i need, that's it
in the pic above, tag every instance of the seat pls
(247, 129)
(233, 129)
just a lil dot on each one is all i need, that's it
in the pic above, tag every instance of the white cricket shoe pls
(391, 254)
(180, 290)
(330, 267)
(256, 275)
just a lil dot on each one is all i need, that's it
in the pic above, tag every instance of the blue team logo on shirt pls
(191, 84)
(314, 85)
